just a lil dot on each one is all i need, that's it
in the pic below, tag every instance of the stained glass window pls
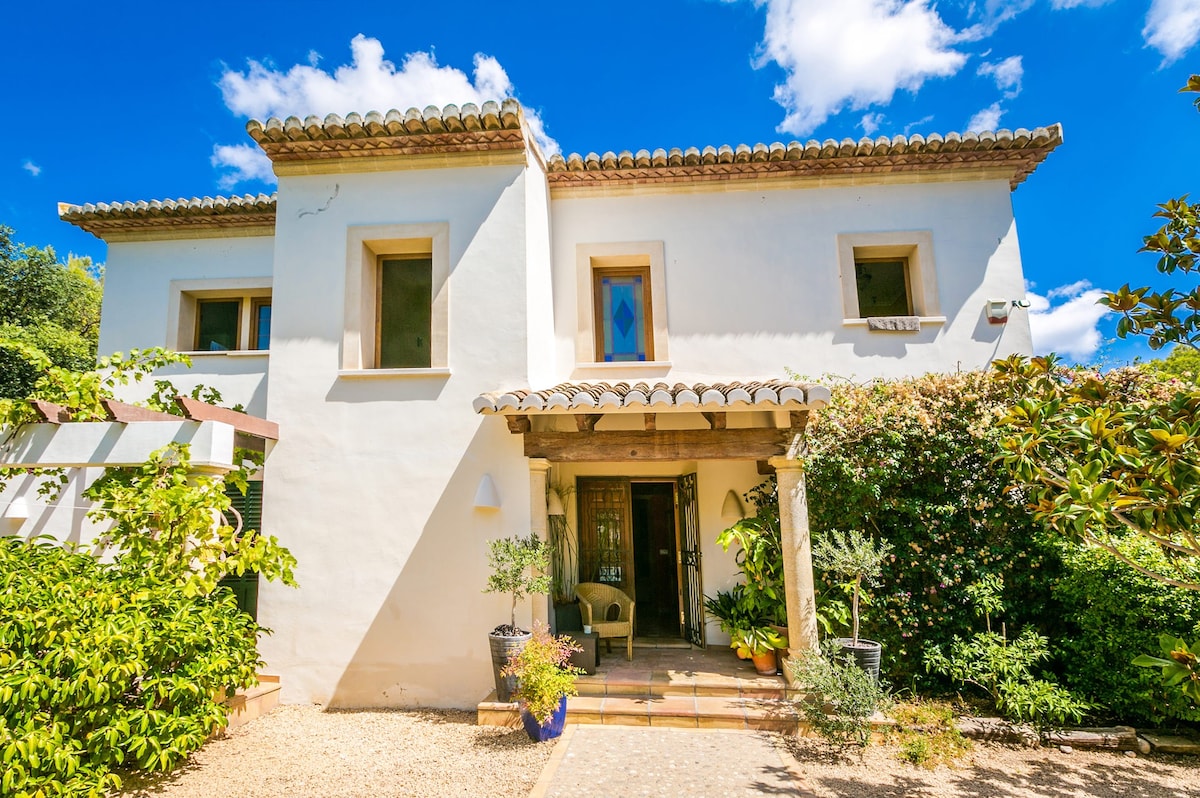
(621, 310)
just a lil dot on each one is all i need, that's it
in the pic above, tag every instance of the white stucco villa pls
(442, 321)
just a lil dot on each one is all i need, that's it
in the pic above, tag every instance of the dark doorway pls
(656, 575)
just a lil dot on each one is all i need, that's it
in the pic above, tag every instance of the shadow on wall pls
(427, 645)
(62, 517)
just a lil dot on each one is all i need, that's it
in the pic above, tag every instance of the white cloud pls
(1061, 4)
(870, 123)
(853, 53)
(1006, 73)
(368, 83)
(992, 14)
(32, 168)
(244, 162)
(1172, 27)
(1065, 320)
(986, 118)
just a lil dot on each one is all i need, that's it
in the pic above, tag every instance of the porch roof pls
(591, 397)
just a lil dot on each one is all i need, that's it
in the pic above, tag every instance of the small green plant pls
(1003, 669)
(1180, 665)
(760, 556)
(756, 641)
(519, 568)
(845, 699)
(544, 672)
(855, 557)
(562, 546)
(732, 609)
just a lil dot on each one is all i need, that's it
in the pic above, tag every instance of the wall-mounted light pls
(554, 505)
(997, 311)
(732, 509)
(17, 509)
(486, 495)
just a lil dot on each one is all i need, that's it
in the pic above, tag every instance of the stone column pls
(539, 524)
(797, 555)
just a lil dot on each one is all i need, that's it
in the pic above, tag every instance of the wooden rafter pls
(650, 421)
(586, 422)
(715, 420)
(517, 425)
(241, 422)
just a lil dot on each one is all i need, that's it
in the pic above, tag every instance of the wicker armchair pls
(594, 601)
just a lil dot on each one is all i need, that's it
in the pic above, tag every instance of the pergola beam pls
(692, 444)
(243, 423)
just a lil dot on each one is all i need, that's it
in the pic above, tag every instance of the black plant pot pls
(866, 654)
(503, 647)
(567, 617)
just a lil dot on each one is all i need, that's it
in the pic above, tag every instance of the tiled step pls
(247, 705)
(631, 682)
(679, 711)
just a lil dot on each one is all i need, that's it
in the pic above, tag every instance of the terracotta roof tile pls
(602, 396)
(104, 219)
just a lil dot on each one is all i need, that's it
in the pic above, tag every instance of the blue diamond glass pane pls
(624, 322)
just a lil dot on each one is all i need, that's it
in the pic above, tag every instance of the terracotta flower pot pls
(766, 664)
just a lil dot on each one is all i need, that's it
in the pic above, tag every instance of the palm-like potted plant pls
(545, 678)
(519, 568)
(858, 559)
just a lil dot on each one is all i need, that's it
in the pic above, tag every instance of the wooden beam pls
(586, 422)
(690, 444)
(517, 425)
(715, 420)
(649, 421)
(765, 469)
(124, 413)
(50, 412)
(799, 419)
(250, 425)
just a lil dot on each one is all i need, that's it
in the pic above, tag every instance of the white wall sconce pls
(17, 509)
(486, 495)
(732, 509)
(997, 311)
(554, 505)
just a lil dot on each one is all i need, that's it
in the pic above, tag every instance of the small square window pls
(404, 314)
(220, 324)
(623, 315)
(217, 324)
(883, 287)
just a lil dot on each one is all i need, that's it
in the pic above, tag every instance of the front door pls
(641, 535)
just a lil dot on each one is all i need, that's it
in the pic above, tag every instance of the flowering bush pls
(912, 462)
(545, 673)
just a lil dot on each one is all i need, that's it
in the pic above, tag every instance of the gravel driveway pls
(302, 751)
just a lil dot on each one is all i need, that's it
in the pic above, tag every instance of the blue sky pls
(151, 104)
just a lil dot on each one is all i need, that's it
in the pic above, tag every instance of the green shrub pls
(1114, 614)
(912, 462)
(104, 668)
(845, 697)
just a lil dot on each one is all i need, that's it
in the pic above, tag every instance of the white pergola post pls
(539, 524)
(797, 555)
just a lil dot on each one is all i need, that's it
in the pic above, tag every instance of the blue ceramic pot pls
(540, 732)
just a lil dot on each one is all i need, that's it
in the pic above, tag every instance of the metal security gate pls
(689, 560)
(605, 537)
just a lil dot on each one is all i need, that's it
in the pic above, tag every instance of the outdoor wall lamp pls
(554, 505)
(486, 495)
(732, 509)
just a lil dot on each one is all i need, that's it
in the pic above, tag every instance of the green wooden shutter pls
(245, 587)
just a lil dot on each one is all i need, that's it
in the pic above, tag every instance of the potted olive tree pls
(545, 678)
(519, 568)
(858, 559)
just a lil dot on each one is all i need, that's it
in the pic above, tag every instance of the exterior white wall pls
(752, 277)
(372, 482)
(137, 310)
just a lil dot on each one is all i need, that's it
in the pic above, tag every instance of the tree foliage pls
(1102, 458)
(119, 664)
(51, 306)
